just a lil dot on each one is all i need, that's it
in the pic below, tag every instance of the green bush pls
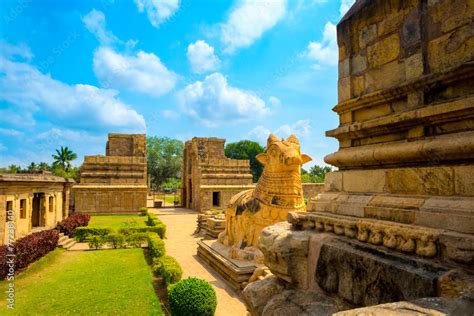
(143, 211)
(136, 239)
(152, 220)
(96, 242)
(192, 297)
(156, 245)
(169, 269)
(84, 233)
(159, 229)
(116, 240)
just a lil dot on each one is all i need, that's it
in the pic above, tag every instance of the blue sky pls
(73, 71)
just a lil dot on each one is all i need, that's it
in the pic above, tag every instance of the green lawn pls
(105, 282)
(116, 222)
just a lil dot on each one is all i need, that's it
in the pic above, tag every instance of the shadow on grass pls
(158, 284)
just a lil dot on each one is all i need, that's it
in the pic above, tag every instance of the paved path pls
(181, 244)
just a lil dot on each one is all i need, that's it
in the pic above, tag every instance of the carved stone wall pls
(406, 115)
(209, 178)
(117, 182)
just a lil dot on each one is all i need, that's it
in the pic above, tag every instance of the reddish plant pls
(68, 226)
(27, 250)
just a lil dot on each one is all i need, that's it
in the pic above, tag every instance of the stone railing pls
(405, 238)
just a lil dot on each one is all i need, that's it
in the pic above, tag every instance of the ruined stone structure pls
(278, 192)
(37, 201)
(311, 190)
(209, 178)
(117, 182)
(396, 221)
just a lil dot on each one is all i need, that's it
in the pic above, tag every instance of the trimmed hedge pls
(83, 233)
(27, 250)
(192, 297)
(156, 245)
(136, 239)
(68, 226)
(116, 240)
(143, 211)
(160, 230)
(169, 269)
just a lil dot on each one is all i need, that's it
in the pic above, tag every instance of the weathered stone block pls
(333, 181)
(365, 275)
(364, 181)
(414, 66)
(344, 68)
(464, 180)
(367, 35)
(358, 64)
(344, 89)
(424, 181)
(358, 85)
(387, 76)
(384, 51)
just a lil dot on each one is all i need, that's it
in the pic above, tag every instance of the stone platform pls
(232, 270)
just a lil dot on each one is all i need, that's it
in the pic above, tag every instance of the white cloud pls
(24, 86)
(301, 128)
(248, 20)
(95, 23)
(326, 51)
(201, 57)
(10, 132)
(274, 101)
(158, 11)
(345, 6)
(212, 101)
(143, 72)
(169, 114)
(21, 50)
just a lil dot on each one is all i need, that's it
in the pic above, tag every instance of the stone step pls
(63, 239)
(68, 244)
(61, 235)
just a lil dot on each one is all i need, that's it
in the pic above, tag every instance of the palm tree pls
(63, 157)
(32, 168)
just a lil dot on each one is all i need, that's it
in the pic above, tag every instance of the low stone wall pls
(310, 190)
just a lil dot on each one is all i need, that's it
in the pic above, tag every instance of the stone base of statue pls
(222, 259)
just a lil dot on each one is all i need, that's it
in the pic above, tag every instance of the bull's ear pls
(262, 158)
(305, 158)
(293, 139)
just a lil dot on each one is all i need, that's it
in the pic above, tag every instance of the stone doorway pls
(37, 214)
(216, 197)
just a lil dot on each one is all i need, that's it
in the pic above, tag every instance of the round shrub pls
(143, 211)
(192, 297)
(96, 242)
(136, 239)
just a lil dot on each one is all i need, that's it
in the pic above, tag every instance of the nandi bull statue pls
(278, 192)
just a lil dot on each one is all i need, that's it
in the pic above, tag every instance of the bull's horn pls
(293, 139)
(272, 138)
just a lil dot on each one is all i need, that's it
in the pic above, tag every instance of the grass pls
(167, 198)
(115, 222)
(106, 282)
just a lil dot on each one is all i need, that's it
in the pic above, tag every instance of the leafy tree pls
(63, 158)
(14, 169)
(319, 172)
(316, 174)
(32, 168)
(43, 166)
(246, 149)
(164, 158)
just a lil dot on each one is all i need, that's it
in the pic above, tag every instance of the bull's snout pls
(295, 160)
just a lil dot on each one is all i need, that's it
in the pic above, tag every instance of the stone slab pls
(235, 272)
